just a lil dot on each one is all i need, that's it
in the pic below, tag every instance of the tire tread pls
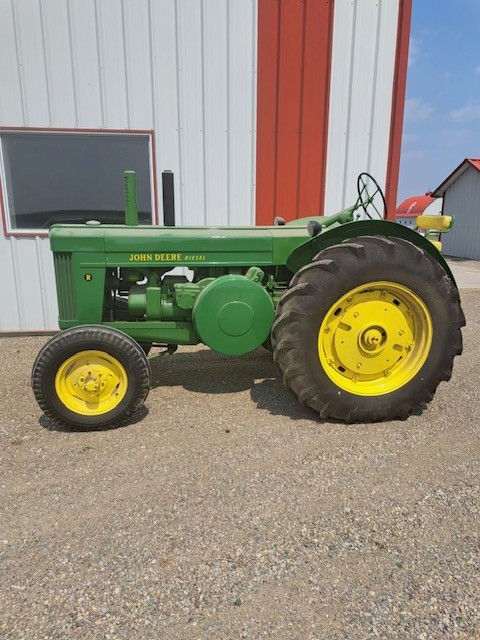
(315, 278)
(92, 333)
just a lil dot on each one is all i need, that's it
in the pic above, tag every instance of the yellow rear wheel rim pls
(375, 338)
(91, 383)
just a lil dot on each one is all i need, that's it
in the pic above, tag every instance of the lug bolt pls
(388, 372)
(359, 365)
(330, 360)
(356, 314)
(401, 332)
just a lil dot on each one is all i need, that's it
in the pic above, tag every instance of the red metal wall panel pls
(316, 95)
(289, 106)
(267, 80)
(398, 105)
(294, 55)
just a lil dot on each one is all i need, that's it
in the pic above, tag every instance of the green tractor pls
(362, 315)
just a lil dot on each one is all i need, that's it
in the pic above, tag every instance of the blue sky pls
(442, 110)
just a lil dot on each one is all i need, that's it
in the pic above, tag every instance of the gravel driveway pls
(226, 511)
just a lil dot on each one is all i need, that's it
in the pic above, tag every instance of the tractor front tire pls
(90, 377)
(368, 330)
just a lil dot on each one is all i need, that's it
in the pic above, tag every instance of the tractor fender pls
(336, 235)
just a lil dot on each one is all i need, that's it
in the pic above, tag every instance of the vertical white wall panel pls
(10, 314)
(184, 68)
(462, 199)
(189, 26)
(138, 57)
(112, 63)
(84, 34)
(215, 65)
(361, 86)
(29, 291)
(58, 62)
(165, 83)
(381, 103)
(242, 110)
(11, 100)
(31, 61)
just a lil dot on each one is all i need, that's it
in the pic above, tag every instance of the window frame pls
(33, 233)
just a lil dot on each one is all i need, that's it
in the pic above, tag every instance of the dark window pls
(72, 177)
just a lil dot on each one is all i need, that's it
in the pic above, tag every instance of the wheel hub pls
(375, 338)
(91, 382)
(372, 339)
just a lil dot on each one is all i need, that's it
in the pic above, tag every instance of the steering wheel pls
(366, 200)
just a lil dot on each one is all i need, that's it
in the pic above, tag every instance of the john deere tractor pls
(363, 315)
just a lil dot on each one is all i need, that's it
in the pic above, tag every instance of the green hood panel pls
(181, 246)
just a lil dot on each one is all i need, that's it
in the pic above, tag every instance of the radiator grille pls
(65, 286)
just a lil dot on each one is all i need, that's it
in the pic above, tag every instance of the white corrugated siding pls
(462, 199)
(184, 68)
(361, 84)
(187, 70)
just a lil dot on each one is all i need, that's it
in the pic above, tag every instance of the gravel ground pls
(226, 511)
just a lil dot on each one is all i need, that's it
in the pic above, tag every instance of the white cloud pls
(413, 51)
(466, 114)
(417, 109)
(477, 69)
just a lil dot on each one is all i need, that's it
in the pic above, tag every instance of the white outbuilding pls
(461, 197)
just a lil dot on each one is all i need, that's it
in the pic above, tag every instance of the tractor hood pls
(182, 246)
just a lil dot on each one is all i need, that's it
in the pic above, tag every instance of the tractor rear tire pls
(368, 330)
(90, 377)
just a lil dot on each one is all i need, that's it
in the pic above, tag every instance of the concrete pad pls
(465, 271)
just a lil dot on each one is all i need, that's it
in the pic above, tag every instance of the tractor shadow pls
(272, 396)
(208, 372)
(51, 425)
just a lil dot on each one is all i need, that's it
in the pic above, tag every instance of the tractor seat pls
(440, 224)
(434, 226)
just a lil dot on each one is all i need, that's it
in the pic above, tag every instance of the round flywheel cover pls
(233, 315)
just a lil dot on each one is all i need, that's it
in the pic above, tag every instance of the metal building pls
(461, 197)
(259, 107)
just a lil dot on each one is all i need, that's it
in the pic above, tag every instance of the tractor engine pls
(231, 313)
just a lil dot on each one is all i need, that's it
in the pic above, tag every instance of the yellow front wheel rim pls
(91, 383)
(375, 338)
